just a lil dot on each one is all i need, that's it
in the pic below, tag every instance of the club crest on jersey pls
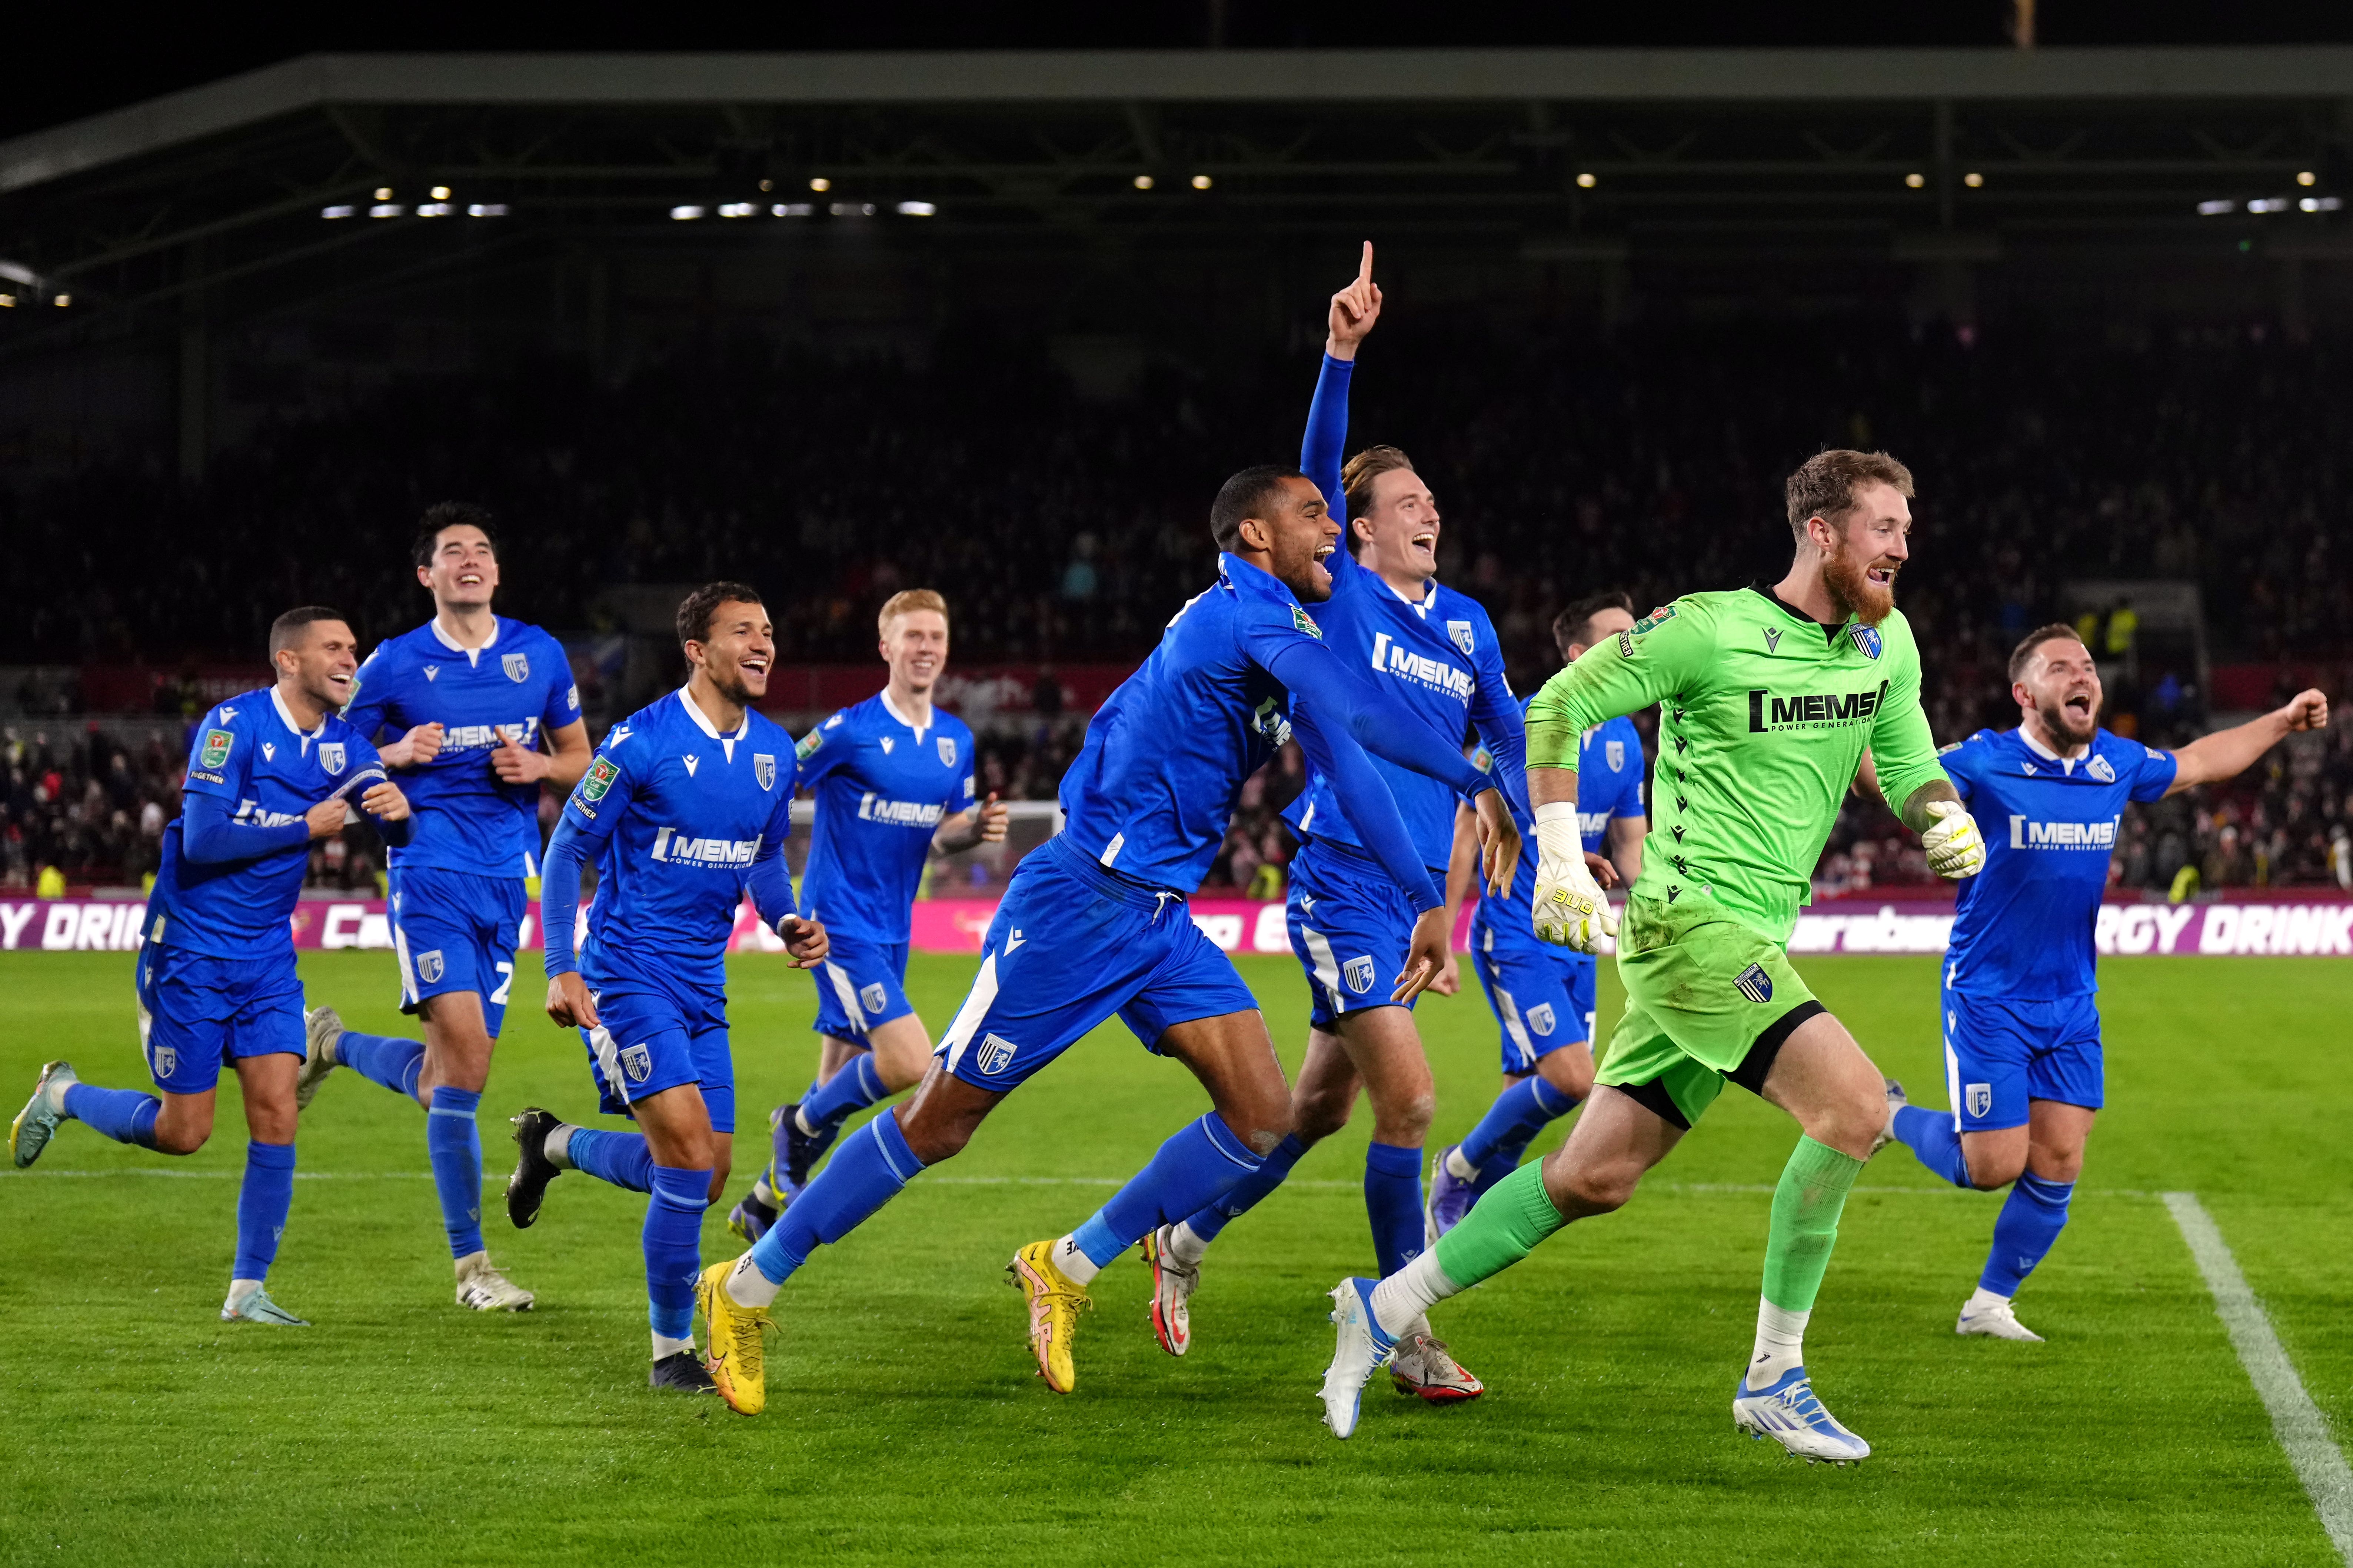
(638, 1061)
(430, 966)
(2102, 769)
(516, 664)
(332, 757)
(1772, 640)
(948, 749)
(873, 996)
(1615, 751)
(1358, 973)
(1865, 639)
(1540, 1018)
(1755, 984)
(1980, 1097)
(994, 1055)
(1301, 619)
(599, 778)
(166, 1058)
(764, 768)
(217, 747)
(1460, 632)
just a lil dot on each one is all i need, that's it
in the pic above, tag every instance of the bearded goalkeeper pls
(1768, 698)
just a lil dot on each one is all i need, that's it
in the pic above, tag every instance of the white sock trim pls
(1980, 1298)
(801, 1120)
(1401, 1301)
(748, 1288)
(1780, 1342)
(664, 1346)
(238, 1290)
(1184, 1246)
(557, 1147)
(1461, 1169)
(1076, 1266)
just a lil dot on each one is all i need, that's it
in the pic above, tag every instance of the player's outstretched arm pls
(971, 828)
(2226, 753)
(210, 836)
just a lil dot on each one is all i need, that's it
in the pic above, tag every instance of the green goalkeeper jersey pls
(1764, 714)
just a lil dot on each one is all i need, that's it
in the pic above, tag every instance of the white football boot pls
(485, 1289)
(1995, 1319)
(1789, 1413)
(1895, 1102)
(1421, 1366)
(1173, 1284)
(1360, 1352)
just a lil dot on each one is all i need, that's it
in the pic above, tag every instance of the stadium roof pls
(1544, 154)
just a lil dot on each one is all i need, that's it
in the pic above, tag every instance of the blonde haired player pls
(894, 778)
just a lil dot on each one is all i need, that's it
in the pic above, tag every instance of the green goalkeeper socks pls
(1501, 1228)
(1806, 1207)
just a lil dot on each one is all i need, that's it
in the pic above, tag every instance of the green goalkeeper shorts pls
(1707, 998)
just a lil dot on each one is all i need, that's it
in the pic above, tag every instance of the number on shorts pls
(506, 973)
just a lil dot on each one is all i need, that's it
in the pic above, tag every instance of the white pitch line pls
(2303, 1431)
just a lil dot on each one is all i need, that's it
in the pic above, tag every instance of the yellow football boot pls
(735, 1355)
(1054, 1306)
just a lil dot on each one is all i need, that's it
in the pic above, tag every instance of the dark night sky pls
(106, 57)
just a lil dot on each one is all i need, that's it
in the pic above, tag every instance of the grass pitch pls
(905, 1421)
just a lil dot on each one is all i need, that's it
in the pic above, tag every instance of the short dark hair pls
(1246, 495)
(1825, 483)
(1570, 626)
(446, 514)
(293, 626)
(2024, 654)
(701, 606)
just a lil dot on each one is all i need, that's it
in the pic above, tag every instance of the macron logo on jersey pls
(2026, 835)
(673, 846)
(899, 813)
(1394, 658)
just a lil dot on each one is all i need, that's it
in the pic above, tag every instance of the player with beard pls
(1768, 696)
(2022, 1063)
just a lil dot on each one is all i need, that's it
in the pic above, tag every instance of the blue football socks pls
(857, 1086)
(125, 1115)
(380, 1059)
(620, 1158)
(2031, 1220)
(1393, 1202)
(1931, 1135)
(864, 1173)
(263, 1202)
(1191, 1171)
(1244, 1195)
(454, 1144)
(1520, 1112)
(673, 1256)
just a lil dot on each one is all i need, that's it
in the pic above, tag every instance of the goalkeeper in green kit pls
(1768, 698)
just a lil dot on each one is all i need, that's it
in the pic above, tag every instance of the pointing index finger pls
(1364, 266)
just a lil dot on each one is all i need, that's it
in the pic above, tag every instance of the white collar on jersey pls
(473, 655)
(286, 717)
(892, 708)
(703, 722)
(2039, 750)
(1419, 606)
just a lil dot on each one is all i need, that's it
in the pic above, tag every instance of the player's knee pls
(1569, 1070)
(1317, 1115)
(180, 1140)
(1406, 1122)
(719, 1174)
(1590, 1189)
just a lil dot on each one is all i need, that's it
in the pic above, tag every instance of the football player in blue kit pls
(1542, 995)
(485, 711)
(685, 809)
(268, 772)
(893, 780)
(1094, 924)
(2022, 1059)
(1434, 655)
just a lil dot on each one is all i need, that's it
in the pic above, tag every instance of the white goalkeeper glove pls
(1956, 848)
(1570, 910)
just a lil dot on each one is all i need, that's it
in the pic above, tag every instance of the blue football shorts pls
(455, 930)
(197, 1012)
(653, 1034)
(1999, 1054)
(860, 986)
(1542, 997)
(1352, 927)
(1072, 944)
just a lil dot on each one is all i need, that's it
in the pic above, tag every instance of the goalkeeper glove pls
(1569, 908)
(1956, 848)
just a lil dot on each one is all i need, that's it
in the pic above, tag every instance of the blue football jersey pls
(467, 818)
(676, 814)
(882, 786)
(1154, 785)
(2023, 926)
(250, 752)
(1608, 787)
(1436, 660)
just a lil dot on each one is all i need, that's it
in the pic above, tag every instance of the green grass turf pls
(904, 1419)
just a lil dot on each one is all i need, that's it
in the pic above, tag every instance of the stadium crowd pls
(1068, 526)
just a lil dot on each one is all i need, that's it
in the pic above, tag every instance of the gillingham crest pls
(1755, 984)
(1460, 632)
(638, 1061)
(874, 997)
(993, 1055)
(332, 757)
(1865, 639)
(948, 750)
(1614, 752)
(1358, 973)
(429, 966)
(516, 664)
(764, 768)
(1541, 1018)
